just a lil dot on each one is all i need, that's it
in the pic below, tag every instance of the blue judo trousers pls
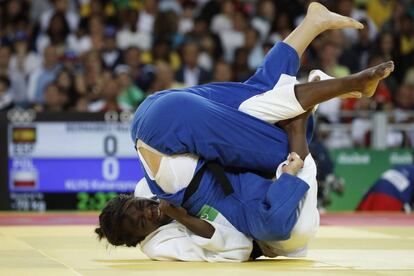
(205, 120)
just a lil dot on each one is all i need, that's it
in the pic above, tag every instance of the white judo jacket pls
(174, 242)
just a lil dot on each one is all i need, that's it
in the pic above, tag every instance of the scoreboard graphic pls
(69, 165)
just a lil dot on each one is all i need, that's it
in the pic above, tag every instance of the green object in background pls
(360, 168)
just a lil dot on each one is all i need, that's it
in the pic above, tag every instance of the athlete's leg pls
(291, 99)
(283, 58)
(288, 99)
(308, 219)
(280, 101)
(317, 20)
(366, 81)
(296, 130)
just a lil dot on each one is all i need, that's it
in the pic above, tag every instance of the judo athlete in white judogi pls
(231, 125)
(174, 241)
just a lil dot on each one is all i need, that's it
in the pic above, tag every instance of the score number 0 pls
(110, 165)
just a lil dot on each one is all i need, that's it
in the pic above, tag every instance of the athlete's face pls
(142, 217)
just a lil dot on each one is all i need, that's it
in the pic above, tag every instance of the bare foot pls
(369, 78)
(318, 75)
(326, 19)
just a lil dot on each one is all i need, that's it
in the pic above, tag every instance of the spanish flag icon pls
(24, 135)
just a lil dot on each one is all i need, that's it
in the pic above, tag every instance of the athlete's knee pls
(274, 105)
(305, 229)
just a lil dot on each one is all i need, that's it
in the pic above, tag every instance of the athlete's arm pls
(198, 226)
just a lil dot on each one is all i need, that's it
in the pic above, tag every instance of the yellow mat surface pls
(74, 250)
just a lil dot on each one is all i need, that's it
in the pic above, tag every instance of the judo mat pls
(64, 244)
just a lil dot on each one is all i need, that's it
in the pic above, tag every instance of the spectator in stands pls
(14, 17)
(360, 50)
(234, 37)
(129, 35)
(200, 29)
(329, 58)
(65, 84)
(23, 63)
(264, 17)
(329, 54)
(281, 27)
(54, 100)
(13, 80)
(406, 35)
(79, 41)
(147, 16)
(253, 45)
(208, 52)
(393, 24)
(91, 8)
(130, 95)
(5, 54)
(210, 44)
(223, 22)
(44, 75)
(6, 98)
(166, 28)
(59, 6)
(222, 72)
(240, 65)
(191, 73)
(383, 92)
(186, 22)
(56, 33)
(380, 11)
(96, 32)
(14, 9)
(164, 78)
(141, 75)
(111, 55)
(348, 8)
(162, 51)
(404, 100)
(386, 47)
(109, 93)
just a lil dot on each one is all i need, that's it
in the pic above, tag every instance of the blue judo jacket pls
(260, 208)
(204, 120)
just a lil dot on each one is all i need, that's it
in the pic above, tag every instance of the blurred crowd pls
(100, 55)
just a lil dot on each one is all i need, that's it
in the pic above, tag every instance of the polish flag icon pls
(26, 180)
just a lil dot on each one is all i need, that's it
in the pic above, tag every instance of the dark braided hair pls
(110, 223)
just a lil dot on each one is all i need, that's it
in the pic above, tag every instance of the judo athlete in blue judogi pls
(231, 125)
(393, 191)
(206, 120)
(213, 122)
